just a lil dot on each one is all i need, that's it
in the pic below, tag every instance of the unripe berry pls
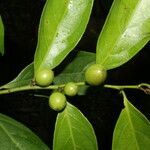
(44, 77)
(71, 89)
(95, 75)
(57, 101)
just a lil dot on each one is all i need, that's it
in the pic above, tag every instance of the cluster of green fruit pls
(94, 75)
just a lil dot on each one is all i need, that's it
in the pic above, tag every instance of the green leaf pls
(15, 136)
(126, 31)
(24, 78)
(62, 24)
(73, 131)
(74, 71)
(1, 36)
(132, 131)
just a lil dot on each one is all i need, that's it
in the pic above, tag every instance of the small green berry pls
(57, 101)
(95, 75)
(71, 89)
(44, 77)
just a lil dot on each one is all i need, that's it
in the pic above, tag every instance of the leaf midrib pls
(70, 129)
(132, 127)
(10, 136)
(110, 52)
(57, 27)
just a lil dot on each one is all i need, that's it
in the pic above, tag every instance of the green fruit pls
(44, 77)
(57, 101)
(95, 74)
(71, 89)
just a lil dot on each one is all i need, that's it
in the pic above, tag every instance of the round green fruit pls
(44, 77)
(95, 75)
(71, 89)
(57, 101)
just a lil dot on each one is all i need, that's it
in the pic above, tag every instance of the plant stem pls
(31, 87)
(143, 86)
(121, 87)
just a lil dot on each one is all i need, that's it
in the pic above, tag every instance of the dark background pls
(101, 107)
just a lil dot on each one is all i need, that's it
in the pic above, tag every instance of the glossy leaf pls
(15, 136)
(74, 71)
(132, 131)
(62, 24)
(1, 36)
(73, 131)
(24, 78)
(126, 31)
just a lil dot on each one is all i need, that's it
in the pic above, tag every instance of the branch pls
(35, 87)
(143, 86)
